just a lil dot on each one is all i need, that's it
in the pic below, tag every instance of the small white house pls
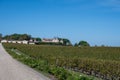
(25, 42)
(4, 41)
(9, 41)
(55, 40)
(19, 42)
(14, 41)
(46, 40)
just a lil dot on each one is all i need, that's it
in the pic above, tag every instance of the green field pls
(102, 62)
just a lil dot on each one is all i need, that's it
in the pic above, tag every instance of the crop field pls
(102, 62)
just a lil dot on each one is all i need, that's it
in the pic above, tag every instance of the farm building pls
(54, 40)
(4, 41)
(14, 41)
(24, 42)
(19, 42)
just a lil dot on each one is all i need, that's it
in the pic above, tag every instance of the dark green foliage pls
(38, 39)
(83, 78)
(60, 73)
(17, 37)
(66, 42)
(83, 43)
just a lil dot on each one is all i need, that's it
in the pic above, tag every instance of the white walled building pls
(19, 42)
(4, 41)
(54, 40)
(13, 41)
(25, 42)
(9, 41)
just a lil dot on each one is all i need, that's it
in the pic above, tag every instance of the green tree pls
(25, 37)
(17, 37)
(66, 42)
(38, 39)
(7, 37)
(83, 43)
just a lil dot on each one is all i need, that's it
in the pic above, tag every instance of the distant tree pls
(66, 42)
(7, 37)
(102, 45)
(83, 43)
(25, 37)
(17, 37)
(38, 39)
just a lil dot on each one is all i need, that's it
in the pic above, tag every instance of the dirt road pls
(10, 69)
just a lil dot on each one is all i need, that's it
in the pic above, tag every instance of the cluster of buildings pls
(54, 40)
(18, 41)
(33, 41)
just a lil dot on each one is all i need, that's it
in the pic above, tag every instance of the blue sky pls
(96, 21)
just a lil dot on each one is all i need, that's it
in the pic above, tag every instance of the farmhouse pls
(54, 40)
(9, 41)
(25, 42)
(4, 41)
(15, 41)
(19, 42)
(32, 41)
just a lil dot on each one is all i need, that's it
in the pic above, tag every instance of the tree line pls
(16, 36)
